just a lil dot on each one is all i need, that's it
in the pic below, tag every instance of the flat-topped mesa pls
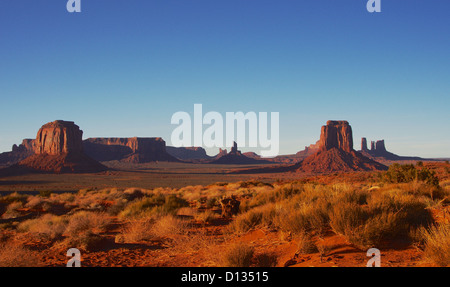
(135, 144)
(59, 137)
(134, 150)
(336, 134)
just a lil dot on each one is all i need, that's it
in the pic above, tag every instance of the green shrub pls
(398, 173)
(154, 205)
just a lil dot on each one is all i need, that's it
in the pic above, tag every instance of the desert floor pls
(196, 234)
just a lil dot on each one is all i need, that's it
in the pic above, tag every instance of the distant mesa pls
(236, 157)
(309, 150)
(130, 150)
(378, 151)
(58, 148)
(18, 153)
(188, 153)
(335, 152)
(222, 152)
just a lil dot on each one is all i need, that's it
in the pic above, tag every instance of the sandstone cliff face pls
(134, 150)
(59, 137)
(336, 134)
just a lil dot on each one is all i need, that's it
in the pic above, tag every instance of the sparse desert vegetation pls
(318, 221)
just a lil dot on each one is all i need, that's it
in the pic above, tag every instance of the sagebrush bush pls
(398, 173)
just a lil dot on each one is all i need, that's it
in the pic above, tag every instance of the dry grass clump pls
(136, 231)
(306, 244)
(386, 217)
(437, 244)
(262, 216)
(238, 255)
(86, 241)
(83, 230)
(37, 202)
(270, 194)
(48, 226)
(169, 226)
(207, 216)
(14, 255)
(298, 217)
(87, 220)
(12, 210)
(266, 260)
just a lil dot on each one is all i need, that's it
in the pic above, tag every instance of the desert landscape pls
(224, 137)
(129, 202)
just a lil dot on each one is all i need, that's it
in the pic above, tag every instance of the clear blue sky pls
(122, 68)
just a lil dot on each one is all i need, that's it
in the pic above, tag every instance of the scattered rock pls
(230, 206)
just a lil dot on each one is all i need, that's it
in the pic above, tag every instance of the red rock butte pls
(336, 153)
(336, 134)
(58, 147)
(59, 137)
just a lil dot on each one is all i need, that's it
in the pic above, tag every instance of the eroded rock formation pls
(378, 151)
(236, 157)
